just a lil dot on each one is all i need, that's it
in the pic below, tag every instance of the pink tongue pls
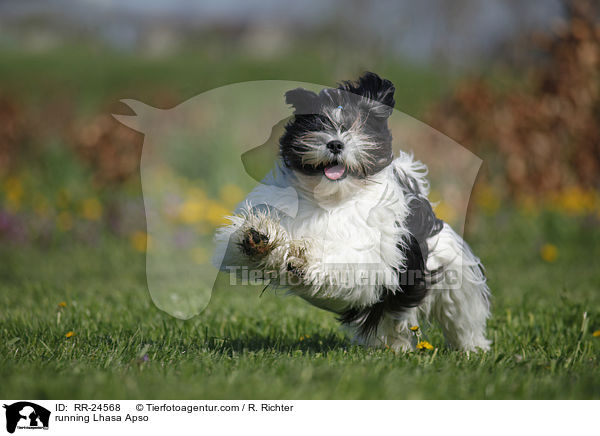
(334, 172)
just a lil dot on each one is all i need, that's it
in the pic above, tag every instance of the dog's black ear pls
(376, 89)
(303, 101)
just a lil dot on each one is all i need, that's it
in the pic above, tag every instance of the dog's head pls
(340, 135)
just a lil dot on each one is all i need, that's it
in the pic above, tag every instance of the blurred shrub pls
(13, 134)
(112, 150)
(547, 135)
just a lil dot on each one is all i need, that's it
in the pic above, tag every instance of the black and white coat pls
(321, 238)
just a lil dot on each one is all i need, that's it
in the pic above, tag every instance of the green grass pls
(83, 78)
(246, 346)
(243, 345)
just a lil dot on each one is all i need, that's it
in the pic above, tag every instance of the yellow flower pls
(91, 209)
(64, 221)
(62, 304)
(488, 199)
(70, 334)
(424, 345)
(13, 191)
(231, 195)
(575, 200)
(191, 211)
(13, 186)
(549, 253)
(140, 241)
(445, 212)
(596, 334)
(216, 214)
(414, 328)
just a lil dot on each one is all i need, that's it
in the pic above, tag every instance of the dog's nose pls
(335, 146)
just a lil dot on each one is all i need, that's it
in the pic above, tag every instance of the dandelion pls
(91, 209)
(414, 328)
(62, 304)
(70, 334)
(216, 214)
(231, 195)
(140, 241)
(191, 211)
(549, 253)
(445, 212)
(576, 201)
(488, 199)
(424, 345)
(596, 334)
(13, 190)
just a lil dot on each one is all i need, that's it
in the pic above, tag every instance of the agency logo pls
(26, 415)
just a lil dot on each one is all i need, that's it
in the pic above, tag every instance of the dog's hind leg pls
(459, 302)
(394, 331)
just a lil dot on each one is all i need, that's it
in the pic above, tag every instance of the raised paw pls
(255, 244)
(295, 269)
(296, 259)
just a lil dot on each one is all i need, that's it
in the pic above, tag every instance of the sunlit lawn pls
(77, 320)
(246, 346)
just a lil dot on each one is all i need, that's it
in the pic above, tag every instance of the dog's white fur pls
(321, 227)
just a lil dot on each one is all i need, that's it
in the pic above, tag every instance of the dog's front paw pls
(255, 244)
(295, 268)
(296, 258)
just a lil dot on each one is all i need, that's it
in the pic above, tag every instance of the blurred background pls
(515, 82)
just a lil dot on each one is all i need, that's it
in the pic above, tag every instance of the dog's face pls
(340, 135)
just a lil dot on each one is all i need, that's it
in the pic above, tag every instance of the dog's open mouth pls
(335, 172)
